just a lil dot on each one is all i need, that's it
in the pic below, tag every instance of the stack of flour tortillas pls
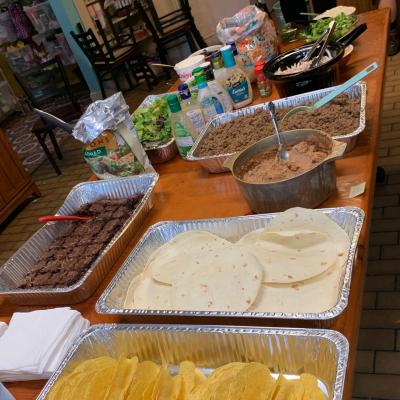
(295, 264)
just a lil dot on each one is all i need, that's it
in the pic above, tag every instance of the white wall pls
(206, 13)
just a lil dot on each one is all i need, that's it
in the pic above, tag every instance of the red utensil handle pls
(50, 218)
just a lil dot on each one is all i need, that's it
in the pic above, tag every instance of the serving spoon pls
(340, 89)
(283, 154)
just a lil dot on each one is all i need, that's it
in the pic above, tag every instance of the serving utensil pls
(340, 89)
(324, 42)
(51, 218)
(283, 154)
(315, 45)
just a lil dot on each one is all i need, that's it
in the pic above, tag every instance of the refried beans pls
(266, 167)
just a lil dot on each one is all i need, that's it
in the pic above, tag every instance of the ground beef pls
(339, 117)
(71, 255)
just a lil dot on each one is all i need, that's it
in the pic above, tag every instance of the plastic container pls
(263, 83)
(237, 83)
(181, 126)
(42, 17)
(192, 110)
(185, 67)
(216, 87)
(210, 105)
(7, 30)
(323, 76)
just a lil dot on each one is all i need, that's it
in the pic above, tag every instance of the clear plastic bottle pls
(210, 105)
(192, 109)
(237, 83)
(216, 88)
(181, 127)
(220, 72)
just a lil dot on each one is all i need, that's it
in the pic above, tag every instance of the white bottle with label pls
(220, 72)
(237, 83)
(209, 102)
(182, 128)
(216, 88)
(192, 109)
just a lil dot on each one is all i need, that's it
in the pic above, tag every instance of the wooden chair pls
(121, 21)
(47, 83)
(107, 62)
(168, 29)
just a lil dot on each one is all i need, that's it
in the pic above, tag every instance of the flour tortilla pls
(292, 256)
(164, 264)
(131, 291)
(224, 279)
(315, 295)
(148, 295)
(306, 219)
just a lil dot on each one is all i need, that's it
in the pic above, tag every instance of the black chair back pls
(121, 22)
(162, 24)
(91, 47)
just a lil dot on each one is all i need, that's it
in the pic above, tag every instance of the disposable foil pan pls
(161, 153)
(214, 163)
(15, 269)
(323, 353)
(112, 299)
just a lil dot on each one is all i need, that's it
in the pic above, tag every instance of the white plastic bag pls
(112, 147)
(254, 34)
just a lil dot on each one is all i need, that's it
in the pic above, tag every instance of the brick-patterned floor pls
(378, 361)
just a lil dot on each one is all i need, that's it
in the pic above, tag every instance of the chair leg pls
(55, 144)
(115, 79)
(48, 154)
(127, 76)
(100, 80)
(191, 42)
(197, 35)
(163, 57)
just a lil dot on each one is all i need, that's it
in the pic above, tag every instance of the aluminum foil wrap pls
(214, 163)
(112, 299)
(291, 352)
(112, 146)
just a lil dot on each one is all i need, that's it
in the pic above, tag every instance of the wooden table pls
(187, 191)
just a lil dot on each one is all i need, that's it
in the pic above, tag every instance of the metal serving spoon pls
(340, 89)
(283, 154)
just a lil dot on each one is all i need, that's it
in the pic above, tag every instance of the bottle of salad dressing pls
(237, 84)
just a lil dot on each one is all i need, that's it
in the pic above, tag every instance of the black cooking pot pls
(320, 77)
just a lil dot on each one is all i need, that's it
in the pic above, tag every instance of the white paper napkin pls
(35, 342)
(3, 327)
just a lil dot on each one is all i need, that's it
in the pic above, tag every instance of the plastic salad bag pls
(254, 34)
(112, 148)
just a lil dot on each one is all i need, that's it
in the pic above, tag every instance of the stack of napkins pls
(35, 343)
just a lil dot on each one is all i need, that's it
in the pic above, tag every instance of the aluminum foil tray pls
(14, 270)
(291, 352)
(215, 163)
(112, 300)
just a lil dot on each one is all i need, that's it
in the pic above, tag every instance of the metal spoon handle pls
(272, 110)
(341, 88)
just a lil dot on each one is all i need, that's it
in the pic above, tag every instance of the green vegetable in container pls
(152, 123)
(344, 24)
